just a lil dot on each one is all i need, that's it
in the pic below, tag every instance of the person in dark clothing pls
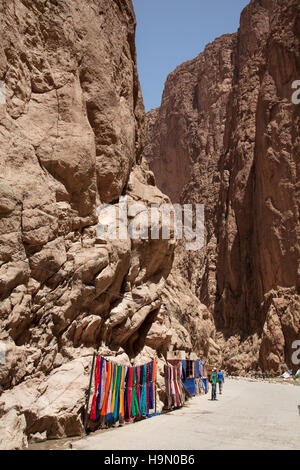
(214, 384)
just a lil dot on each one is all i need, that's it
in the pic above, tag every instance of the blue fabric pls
(220, 376)
(183, 369)
(190, 385)
(204, 381)
(115, 416)
(143, 398)
(197, 369)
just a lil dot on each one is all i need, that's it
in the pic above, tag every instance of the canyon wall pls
(227, 136)
(71, 140)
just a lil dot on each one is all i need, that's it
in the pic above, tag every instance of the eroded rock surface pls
(227, 136)
(71, 139)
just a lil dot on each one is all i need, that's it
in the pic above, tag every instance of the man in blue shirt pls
(220, 381)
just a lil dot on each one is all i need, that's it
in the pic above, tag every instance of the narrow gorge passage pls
(94, 258)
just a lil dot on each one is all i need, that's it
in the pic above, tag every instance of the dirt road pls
(249, 415)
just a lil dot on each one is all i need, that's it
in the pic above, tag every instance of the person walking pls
(221, 381)
(214, 384)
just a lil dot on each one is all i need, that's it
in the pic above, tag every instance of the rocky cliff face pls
(185, 145)
(227, 135)
(72, 135)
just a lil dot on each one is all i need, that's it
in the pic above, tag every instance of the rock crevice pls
(227, 135)
(71, 140)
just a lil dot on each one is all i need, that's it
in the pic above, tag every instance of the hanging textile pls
(116, 408)
(201, 369)
(144, 391)
(197, 369)
(175, 393)
(167, 372)
(122, 392)
(126, 392)
(199, 387)
(110, 393)
(176, 386)
(173, 389)
(153, 382)
(205, 384)
(179, 385)
(183, 364)
(135, 409)
(189, 369)
(101, 388)
(138, 386)
(147, 388)
(150, 387)
(190, 385)
(154, 372)
(97, 380)
(129, 394)
(114, 389)
(107, 385)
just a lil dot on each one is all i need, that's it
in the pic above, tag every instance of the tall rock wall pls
(71, 139)
(185, 146)
(227, 135)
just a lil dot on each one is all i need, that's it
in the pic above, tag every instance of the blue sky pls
(170, 32)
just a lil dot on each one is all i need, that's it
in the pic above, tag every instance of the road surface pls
(249, 415)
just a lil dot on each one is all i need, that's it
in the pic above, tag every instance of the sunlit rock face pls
(227, 135)
(71, 140)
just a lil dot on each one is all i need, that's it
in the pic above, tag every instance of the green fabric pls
(135, 410)
(117, 401)
(113, 398)
(214, 378)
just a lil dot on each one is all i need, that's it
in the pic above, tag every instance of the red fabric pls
(97, 380)
(177, 386)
